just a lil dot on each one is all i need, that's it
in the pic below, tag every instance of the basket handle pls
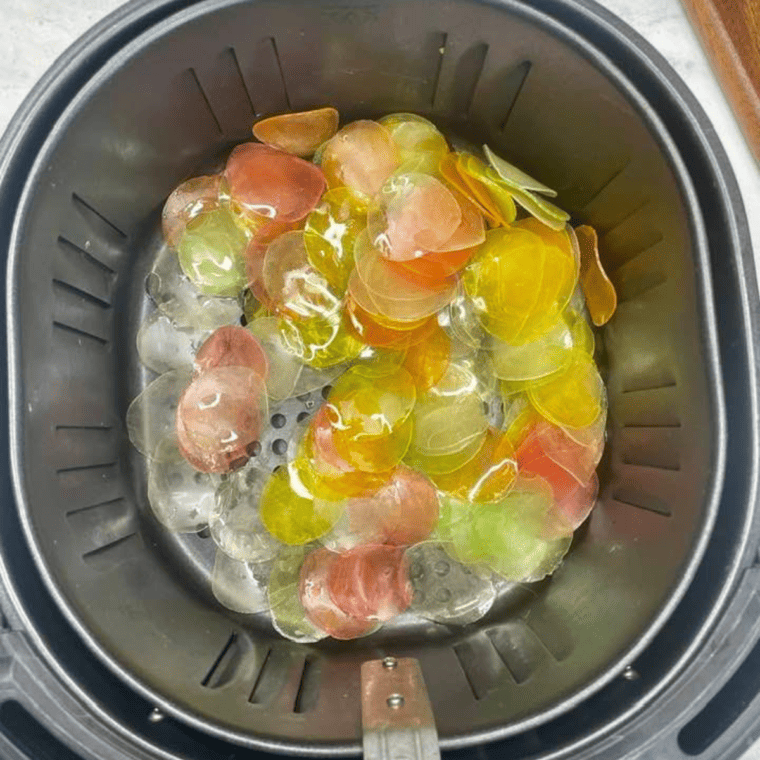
(397, 720)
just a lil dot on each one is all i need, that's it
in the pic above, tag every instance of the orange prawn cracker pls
(374, 453)
(298, 133)
(488, 476)
(361, 157)
(427, 361)
(369, 329)
(601, 298)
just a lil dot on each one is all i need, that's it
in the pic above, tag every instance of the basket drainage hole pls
(204, 533)
(302, 416)
(278, 420)
(279, 446)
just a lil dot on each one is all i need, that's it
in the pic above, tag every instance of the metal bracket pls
(397, 719)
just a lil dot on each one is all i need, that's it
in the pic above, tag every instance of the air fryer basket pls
(168, 106)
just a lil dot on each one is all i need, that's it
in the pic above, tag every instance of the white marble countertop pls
(34, 32)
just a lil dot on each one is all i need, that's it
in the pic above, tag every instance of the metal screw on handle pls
(397, 719)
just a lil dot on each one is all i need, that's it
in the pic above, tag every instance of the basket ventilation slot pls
(194, 78)
(109, 556)
(481, 664)
(643, 501)
(96, 220)
(89, 298)
(607, 184)
(77, 269)
(79, 333)
(458, 77)
(519, 649)
(225, 666)
(308, 687)
(512, 87)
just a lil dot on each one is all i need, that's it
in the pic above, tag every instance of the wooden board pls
(730, 30)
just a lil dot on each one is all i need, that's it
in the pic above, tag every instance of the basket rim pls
(75, 63)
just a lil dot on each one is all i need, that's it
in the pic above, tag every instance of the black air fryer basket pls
(112, 644)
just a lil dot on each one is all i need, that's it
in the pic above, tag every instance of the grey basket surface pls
(168, 106)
